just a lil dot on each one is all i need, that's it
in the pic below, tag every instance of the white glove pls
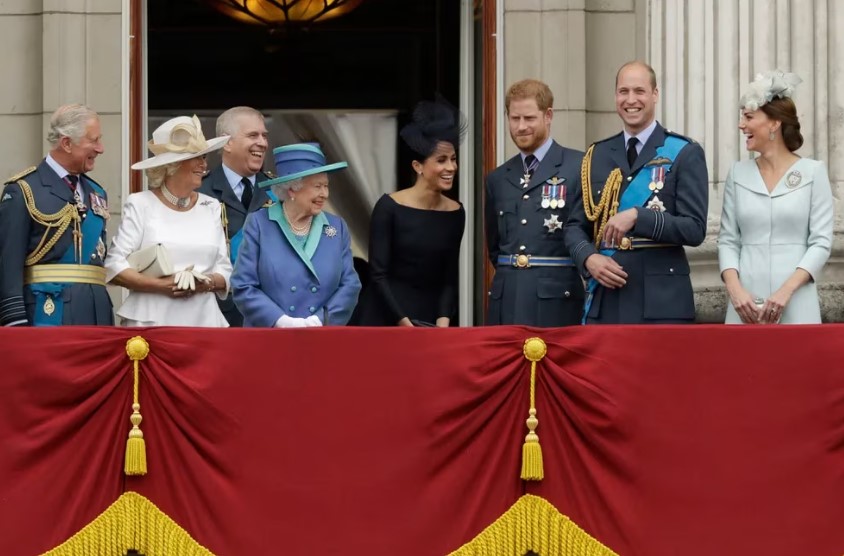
(313, 320)
(186, 279)
(290, 322)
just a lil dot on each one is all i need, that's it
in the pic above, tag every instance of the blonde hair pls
(157, 175)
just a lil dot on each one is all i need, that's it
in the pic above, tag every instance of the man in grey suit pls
(528, 199)
(233, 182)
(646, 197)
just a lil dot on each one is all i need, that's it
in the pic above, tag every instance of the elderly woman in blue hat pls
(294, 268)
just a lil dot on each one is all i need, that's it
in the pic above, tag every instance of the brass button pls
(526, 197)
(522, 247)
(567, 294)
(524, 221)
(500, 213)
(629, 178)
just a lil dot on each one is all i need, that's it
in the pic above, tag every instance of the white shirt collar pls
(541, 151)
(234, 180)
(57, 168)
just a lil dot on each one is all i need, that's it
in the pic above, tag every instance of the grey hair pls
(280, 189)
(69, 120)
(227, 122)
(157, 175)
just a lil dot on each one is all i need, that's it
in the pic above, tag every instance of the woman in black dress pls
(415, 234)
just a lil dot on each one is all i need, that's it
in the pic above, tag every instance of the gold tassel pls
(532, 469)
(136, 452)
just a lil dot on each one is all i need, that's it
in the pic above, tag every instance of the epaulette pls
(680, 135)
(20, 175)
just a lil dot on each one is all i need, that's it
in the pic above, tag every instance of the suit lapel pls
(656, 140)
(54, 183)
(618, 154)
(515, 171)
(259, 195)
(549, 166)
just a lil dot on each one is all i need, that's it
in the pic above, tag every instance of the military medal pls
(49, 306)
(558, 192)
(656, 205)
(553, 223)
(793, 179)
(657, 178)
(525, 180)
(99, 206)
(546, 197)
(80, 204)
(330, 231)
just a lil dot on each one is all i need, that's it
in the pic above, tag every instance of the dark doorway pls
(386, 54)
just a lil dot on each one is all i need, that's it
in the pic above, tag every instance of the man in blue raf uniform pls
(233, 181)
(52, 231)
(644, 199)
(528, 199)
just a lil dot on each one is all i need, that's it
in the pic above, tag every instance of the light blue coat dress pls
(276, 274)
(767, 236)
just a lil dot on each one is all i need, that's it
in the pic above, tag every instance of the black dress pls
(413, 256)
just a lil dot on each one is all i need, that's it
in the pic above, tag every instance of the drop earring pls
(771, 135)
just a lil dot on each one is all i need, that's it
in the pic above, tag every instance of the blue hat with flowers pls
(297, 161)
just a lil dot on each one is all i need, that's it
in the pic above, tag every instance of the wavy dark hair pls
(434, 122)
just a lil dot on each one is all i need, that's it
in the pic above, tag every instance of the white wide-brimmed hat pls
(176, 140)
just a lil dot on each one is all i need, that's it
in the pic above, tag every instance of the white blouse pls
(194, 237)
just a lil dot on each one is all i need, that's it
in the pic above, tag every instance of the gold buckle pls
(626, 244)
(522, 261)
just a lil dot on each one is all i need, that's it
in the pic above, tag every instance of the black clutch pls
(423, 323)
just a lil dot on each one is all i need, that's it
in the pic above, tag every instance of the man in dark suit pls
(527, 202)
(233, 182)
(52, 231)
(646, 197)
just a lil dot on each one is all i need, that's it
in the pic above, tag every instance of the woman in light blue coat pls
(294, 268)
(776, 224)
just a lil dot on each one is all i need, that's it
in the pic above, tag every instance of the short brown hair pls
(640, 64)
(784, 111)
(530, 88)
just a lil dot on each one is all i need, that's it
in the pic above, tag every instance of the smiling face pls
(635, 98)
(311, 199)
(439, 169)
(757, 128)
(245, 151)
(189, 175)
(79, 157)
(529, 126)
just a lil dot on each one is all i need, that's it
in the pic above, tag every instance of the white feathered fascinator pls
(768, 86)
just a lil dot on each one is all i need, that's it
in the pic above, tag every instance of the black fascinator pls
(434, 122)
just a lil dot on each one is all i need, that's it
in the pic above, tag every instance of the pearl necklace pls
(181, 202)
(298, 230)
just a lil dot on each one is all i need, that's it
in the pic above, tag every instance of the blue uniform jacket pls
(84, 304)
(659, 288)
(273, 276)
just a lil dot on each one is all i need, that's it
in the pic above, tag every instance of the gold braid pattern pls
(608, 204)
(60, 220)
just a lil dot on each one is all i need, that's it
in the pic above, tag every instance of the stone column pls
(704, 53)
(545, 39)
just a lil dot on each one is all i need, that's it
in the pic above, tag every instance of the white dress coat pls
(767, 236)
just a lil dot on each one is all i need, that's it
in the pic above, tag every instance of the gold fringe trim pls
(136, 451)
(532, 468)
(532, 523)
(131, 522)
(607, 205)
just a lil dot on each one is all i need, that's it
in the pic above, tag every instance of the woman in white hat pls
(170, 250)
